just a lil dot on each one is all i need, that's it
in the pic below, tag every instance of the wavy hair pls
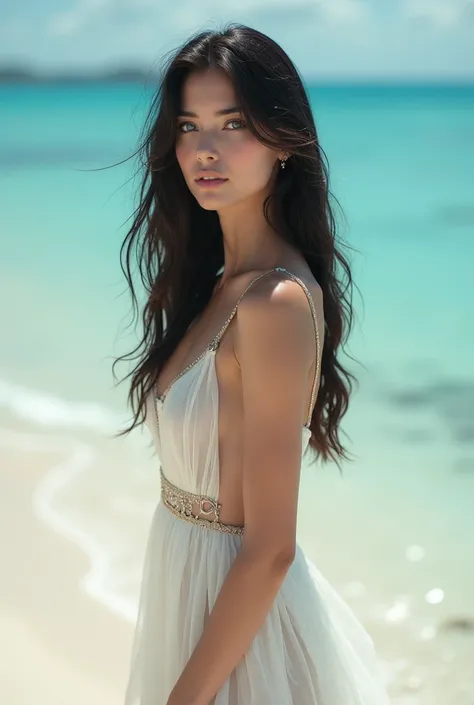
(178, 245)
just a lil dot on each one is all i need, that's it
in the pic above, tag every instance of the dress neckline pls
(215, 341)
(161, 399)
(213, 345)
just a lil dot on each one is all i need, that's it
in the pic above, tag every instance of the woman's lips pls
(210, 183)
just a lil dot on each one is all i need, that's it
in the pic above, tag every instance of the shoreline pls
(67, 639)
(67, 646)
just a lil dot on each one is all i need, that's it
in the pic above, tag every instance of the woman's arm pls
(274, 346)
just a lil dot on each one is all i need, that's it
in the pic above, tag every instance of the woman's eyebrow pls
(224, 111)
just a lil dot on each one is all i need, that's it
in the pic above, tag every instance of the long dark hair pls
(179, 246)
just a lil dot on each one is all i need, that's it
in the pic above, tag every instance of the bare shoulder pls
(280, 286)
(275, 309)
(278, 294)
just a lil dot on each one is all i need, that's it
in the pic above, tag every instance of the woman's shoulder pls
(281, 285)
(275, 322)
(278, 299)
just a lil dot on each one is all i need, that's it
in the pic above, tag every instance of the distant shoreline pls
(17, 75)
(26, 76)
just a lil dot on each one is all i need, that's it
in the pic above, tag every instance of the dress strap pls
(218, 337)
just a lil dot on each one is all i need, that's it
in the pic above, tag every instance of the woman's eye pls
(240, 123)
(235, 125)
(182, 125)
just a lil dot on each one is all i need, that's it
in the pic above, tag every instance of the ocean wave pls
(95, 470)
(48, 410)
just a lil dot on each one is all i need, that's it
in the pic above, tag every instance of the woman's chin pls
(210, 202)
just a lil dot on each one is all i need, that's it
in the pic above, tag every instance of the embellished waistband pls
(189, 506)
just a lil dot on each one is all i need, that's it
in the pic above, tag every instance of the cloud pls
(188, 14)
(346, 10)
(323, 37)
(73, 21)
(444, 14)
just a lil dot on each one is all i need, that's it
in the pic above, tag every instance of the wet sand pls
(58, 645)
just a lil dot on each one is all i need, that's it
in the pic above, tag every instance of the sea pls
(394, 531)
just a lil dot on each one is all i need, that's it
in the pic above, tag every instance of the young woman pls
(236, 246)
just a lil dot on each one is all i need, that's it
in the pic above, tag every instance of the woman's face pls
(212, 137)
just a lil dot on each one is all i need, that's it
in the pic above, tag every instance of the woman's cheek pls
(253, 158)
(243, 151)
(180, 152)
(186, 160)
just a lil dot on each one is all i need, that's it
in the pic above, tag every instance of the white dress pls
(311, 649)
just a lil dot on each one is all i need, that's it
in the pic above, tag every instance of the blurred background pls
(391, 84)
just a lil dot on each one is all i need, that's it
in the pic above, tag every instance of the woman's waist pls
(199, 509)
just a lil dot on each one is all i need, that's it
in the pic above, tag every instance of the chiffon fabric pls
(311, 648)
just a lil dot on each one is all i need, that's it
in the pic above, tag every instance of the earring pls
(282, 162)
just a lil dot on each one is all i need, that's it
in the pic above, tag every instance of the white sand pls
(58, 646)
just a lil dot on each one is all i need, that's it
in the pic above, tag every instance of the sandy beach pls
(62, 645)
(395, 536)
(58, 645)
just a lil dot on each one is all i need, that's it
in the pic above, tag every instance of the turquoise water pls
(401, 165)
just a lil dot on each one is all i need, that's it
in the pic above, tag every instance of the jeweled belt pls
(183, 505)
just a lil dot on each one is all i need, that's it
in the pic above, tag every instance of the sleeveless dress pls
(310, 650)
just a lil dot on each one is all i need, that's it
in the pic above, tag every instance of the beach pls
(69, 590)
(394, 535)
(58, 644)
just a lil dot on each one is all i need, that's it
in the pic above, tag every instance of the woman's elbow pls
(276, 558)
(284, 558)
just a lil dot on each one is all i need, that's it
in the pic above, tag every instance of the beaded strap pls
(212, 347)
(317, 339)
(181, 504)
(214, 344)
(216, 340)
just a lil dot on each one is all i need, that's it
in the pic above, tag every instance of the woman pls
(241, 381)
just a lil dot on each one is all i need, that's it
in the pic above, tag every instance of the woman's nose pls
(204, 157)
(206, 152)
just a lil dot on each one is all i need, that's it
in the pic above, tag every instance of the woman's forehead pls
(211, 91)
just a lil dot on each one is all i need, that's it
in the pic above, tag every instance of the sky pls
(410, 39)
